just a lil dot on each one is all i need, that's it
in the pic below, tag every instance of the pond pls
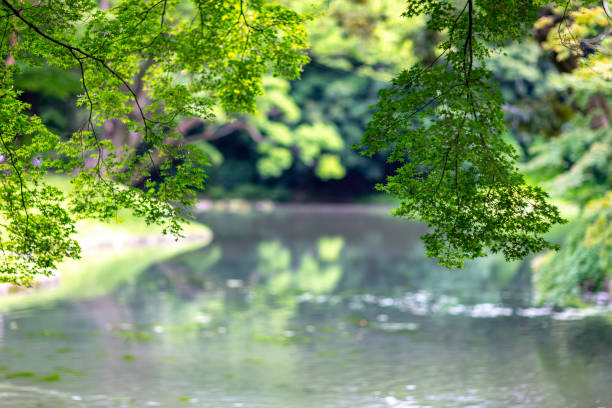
(307, 307)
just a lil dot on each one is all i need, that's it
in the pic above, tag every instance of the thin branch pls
(21, 183)
(452, 30)
(448, 151)
(90, 117)
(430, 101)
(84, 54)
(5, 31)
(163, 15)
(467, 46)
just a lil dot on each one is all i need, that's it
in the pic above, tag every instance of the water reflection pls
(307, 310)
(342, 253)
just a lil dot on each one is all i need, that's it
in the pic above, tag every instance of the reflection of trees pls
(184, 276)
(317, 273)
(574, 355)
(260, 264)
(378, 253)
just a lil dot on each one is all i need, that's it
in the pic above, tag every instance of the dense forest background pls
(298, 147)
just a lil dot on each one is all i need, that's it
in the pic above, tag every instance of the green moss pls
(135, 336)
(21, 374)
(51, 378)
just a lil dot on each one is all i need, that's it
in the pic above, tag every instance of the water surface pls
(307, 308)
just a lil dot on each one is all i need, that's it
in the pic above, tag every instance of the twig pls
(21, 183)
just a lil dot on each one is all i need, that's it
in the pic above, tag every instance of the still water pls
(307, 308)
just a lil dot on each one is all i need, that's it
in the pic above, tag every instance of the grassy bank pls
(112, 254)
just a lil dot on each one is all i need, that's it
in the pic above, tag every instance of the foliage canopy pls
(188, 56)
(149, 64)
(444, 124)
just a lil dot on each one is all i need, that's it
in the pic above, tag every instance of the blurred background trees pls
(298, 145)
(557, 86)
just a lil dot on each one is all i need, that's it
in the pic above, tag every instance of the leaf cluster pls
(444, 125)
(146, 64)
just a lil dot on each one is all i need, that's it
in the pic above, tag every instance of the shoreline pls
(106, 248)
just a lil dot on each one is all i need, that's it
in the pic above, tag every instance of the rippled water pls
(308, 309)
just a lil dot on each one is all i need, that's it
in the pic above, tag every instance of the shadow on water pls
(307, 309)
